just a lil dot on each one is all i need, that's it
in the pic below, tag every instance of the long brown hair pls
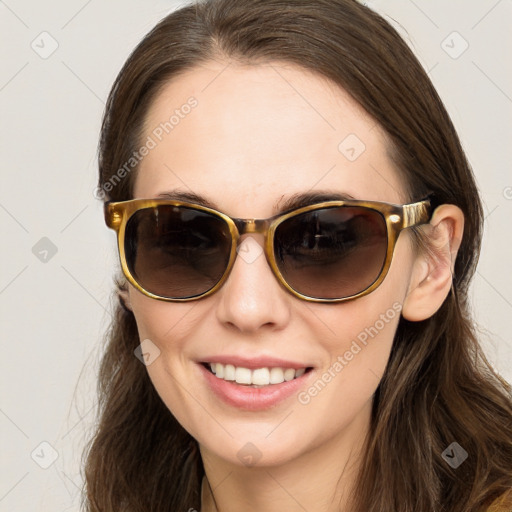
(438, 386)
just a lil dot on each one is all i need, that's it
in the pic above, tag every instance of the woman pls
(320, 358)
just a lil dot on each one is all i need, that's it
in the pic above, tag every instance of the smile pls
(256, 388)
(258, 377)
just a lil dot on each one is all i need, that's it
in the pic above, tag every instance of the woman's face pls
(253, 137)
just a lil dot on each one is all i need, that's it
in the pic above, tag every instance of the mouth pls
(257, 377)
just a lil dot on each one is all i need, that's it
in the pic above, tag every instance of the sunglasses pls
(326, 252)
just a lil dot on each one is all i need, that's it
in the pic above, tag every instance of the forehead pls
(247, 136)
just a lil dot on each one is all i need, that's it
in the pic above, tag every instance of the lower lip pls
(249, 398)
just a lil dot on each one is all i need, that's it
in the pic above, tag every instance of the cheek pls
(161, 321)
(164, 328)
(357, 337)
(358, 353)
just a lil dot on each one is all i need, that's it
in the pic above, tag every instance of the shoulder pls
(503, 503)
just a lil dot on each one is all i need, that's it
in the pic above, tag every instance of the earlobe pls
(432, 274)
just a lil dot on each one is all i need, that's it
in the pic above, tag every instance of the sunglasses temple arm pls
(417, 213)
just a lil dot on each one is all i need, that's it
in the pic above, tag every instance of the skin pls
(259, 134)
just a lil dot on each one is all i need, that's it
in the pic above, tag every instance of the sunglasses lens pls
(331, 252)
(176, 252)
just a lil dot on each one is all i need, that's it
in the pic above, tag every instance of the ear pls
(123, 293)
(124, 298)
(432, 273)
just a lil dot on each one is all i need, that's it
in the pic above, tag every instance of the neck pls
(320, 479)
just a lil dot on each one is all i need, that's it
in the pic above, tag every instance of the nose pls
(251, 297)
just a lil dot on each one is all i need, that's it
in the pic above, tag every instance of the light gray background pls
(53, 313)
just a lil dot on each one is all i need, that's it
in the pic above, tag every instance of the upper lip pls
(255, 362)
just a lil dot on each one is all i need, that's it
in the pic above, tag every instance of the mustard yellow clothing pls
(502, 504)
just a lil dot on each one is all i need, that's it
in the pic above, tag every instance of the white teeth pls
(243, 375)
(299, 372)
(276, 375)
(229, 371)
(289, 374)
(261, 376)
(256, 378)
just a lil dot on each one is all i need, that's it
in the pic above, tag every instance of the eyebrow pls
(297, 200)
